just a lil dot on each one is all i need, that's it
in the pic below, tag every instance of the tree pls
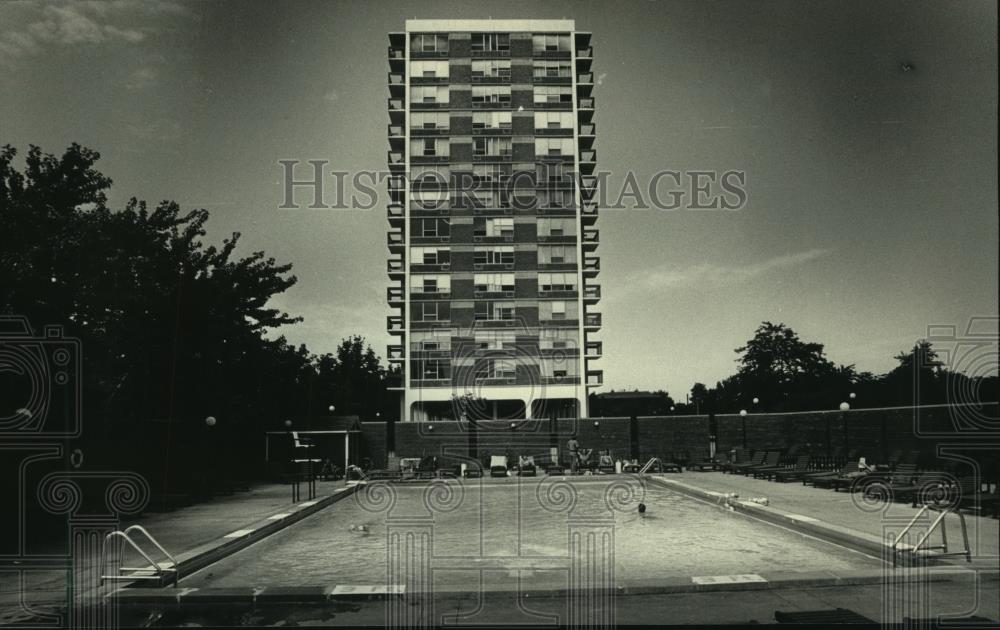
(699, 396)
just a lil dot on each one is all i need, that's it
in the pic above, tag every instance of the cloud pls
(141, 78)
(717, 275)
(159, 130)
(84, 22)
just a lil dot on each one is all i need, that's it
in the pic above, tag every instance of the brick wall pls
(903, 428)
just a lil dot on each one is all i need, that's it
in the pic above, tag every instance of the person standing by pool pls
(574, 457)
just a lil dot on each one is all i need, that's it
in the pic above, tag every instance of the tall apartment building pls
(492, 206)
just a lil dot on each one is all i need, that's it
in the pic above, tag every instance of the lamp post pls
(743, 421)
(844, 408)
(212, 465)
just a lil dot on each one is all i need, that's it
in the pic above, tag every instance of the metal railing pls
(154, 571)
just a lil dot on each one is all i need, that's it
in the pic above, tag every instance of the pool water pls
(475, 531)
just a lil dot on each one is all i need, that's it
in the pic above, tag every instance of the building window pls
(503, 255)
(429, 69)
(553, 94)
(439, 284)
(555, 199)
(550, 69)
(428, 120)
(496, 147)
(430, 255)
(495, 339)
(556, 282)
(494, 311)
(429, 199)
(493, 228)
(497, 42)
(484, 173)
(495, 368)
(556, 254)
(429, 175)
(431, 340)
(495, 94)
(429, 312)
(557, 338)
(552, 310)
(553, 120)
(429, 42)
(429, 94)
(494, 68)
(493, 282)
(553, 146)
(550, 43)
(491, 120)
(432, 369)
(431, 227)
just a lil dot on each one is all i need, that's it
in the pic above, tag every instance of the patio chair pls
(756, 460)
(818, 478)
(498, 466)
(923, 486)
(787, 474)
(605, 464)
(526, 466)
(771, 459)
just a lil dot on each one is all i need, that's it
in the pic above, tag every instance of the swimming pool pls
(523, 533)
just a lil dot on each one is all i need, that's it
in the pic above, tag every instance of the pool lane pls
(519, 531)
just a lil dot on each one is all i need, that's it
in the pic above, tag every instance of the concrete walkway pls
(843, 509)
(180, 531)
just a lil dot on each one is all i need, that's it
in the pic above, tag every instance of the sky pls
(867, 132)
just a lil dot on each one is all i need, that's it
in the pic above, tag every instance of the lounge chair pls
(740, 456)
(703, 461)
(900, 478)
(526, 466)
(800, 468)
(498, 466)
(756, 460)
(771, 459)
(922, 486)
(820, 476)
(970, 495)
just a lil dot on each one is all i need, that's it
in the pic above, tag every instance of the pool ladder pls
(939, 521)
(653, 461)
(153, 571)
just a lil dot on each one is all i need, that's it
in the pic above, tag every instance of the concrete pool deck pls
(839, 510)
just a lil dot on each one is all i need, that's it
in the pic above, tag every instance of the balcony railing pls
(585, 53)
(396, 105)
(397, 353)
(588, 129)
(592, 292)
(396, 54)
(395, 239)
(394, 323)
(586, 103)
(588, 212)
(595, 378)
(396, 78)
(586, 77)
(591, 236)
(395, 267)
(395, 157)
(595, 349)
(396, 212)
(592, 320)
(394, 295)
(591, 265)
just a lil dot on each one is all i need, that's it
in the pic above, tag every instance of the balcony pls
(397, 161)
(595, 378)
(586, 103)
(397, 59)
(397, 354)
(586, 135)
(394, 324)
(397, 84)
(594, 350)
(584, 84)
(396, 268)
(591, 266)
(396, 213)
(588, 161)
(394, 296)
(396, 137)
(591, 238)
(588, 186)
(591, 293)
(395, 240)
(588, 213)
(397, 110)
(592, 321)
